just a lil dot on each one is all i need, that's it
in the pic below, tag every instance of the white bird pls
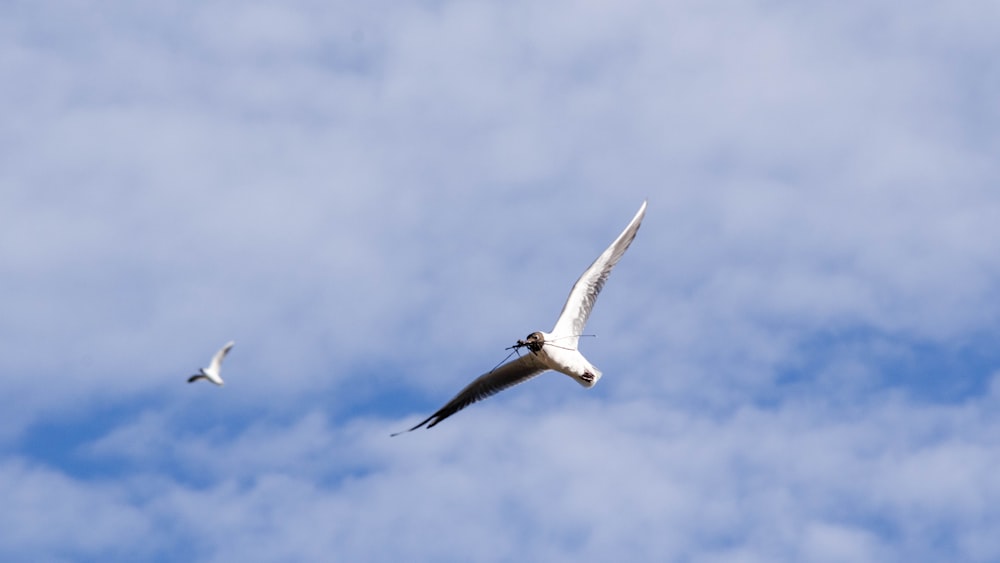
(211, 373)
(556, 350)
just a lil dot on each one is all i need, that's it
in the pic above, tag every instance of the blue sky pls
(799, 350)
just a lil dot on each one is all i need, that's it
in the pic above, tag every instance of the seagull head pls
(533, 342)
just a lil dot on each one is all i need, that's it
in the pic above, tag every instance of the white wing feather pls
(216, 364)
(584, 294)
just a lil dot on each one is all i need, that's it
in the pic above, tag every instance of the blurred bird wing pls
(216, 364)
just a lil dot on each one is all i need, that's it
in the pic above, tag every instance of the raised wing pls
(217, 358)
(584, 294)
(486, 385)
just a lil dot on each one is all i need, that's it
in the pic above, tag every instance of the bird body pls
(212, 372)
(557, 350)
(558, 357)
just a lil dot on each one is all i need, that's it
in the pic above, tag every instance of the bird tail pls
(590, 378)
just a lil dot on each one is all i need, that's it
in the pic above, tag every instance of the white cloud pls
(889, 479)
(373, 201)
(48, 516)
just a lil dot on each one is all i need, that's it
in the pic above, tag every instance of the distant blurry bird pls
(211, 373)
(556, 350)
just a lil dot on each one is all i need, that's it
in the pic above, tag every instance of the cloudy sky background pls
(800, 348)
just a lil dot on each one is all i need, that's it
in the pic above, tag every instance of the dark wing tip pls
(428, 419)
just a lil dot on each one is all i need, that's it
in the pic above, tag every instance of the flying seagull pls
(556, 350)
(211, 373)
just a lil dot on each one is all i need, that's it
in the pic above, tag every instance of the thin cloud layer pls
(886, 479)
(374, 201)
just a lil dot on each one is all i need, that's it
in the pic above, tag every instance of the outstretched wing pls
(486, 385)
(216, 364)
(194, 378)
(584, 294)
